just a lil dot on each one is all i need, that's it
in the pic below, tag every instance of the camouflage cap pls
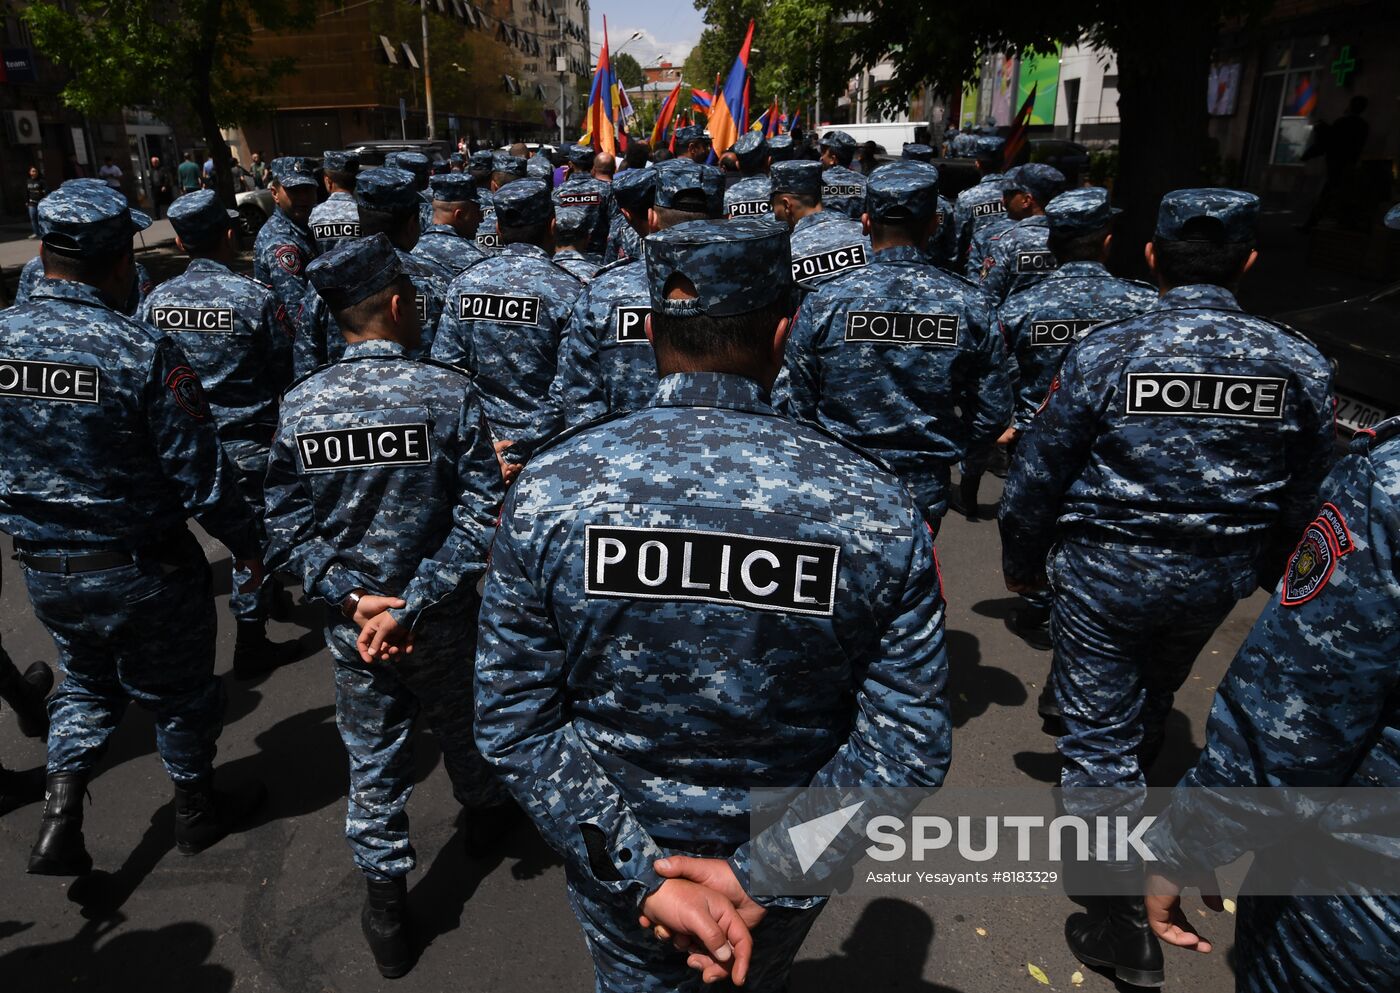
(539, 167)
(199, 219)
(512, 165)
(580, 156)
(1392, 218)
(481, 160)
(1081, 211)
(1041, 181)
(838, 141)
(683, 184)
(751, 150)
(356, 268)
(1233, 211)
(453, 187)
(988, 147)
(523, 203)
(691, 132)
(291, 171)
(340, 162)
(457, 158)
(387, 189)
(736, 266)
(780, 147)
(917, 152)
(635, 189)
(574, 220)
(802, 177)
(415, 163)
(88, 217)
(440, 167)
(904, 191)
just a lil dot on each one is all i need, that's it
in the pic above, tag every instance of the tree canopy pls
(628, 70)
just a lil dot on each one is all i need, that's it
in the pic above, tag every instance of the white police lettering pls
(830, 190)
(988, 209)
(364, 446)
(809, 267)
(889, 327)
(748, 208)
(792, 577)
(631, 325)
(60, 381)
(1059, 331)
(488, 239)
(1255, 398)
(579, 199)
(218, 319)
(1035, 262)
(332, 232)
(498, 308)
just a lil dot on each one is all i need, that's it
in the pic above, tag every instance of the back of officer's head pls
(86, 229)
(686, 191)
(1079, 221)
(340, 169)
(721, 293)
(839, 147)
(1204, 236)
(363, 283)
(901, 203)
(525, 213)
(387, 199)
(203, 226)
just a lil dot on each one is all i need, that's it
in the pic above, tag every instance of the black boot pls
(26, 695)
(60, 850)
(384, 920)
(963, 498)
(204, 815)
(254, 655)
(1051, 721)
(18, 789)
(1119, 940)
(484, 828)
(1032, 624)
(282, 604)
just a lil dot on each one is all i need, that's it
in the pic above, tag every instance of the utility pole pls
(427, 77)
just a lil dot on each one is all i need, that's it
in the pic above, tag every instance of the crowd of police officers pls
(629, 483)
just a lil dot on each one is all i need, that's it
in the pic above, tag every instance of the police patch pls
(982, 211)
(336, 230)
(748, 208)
(362, 447)
(573, 199)
(213, 319)
(499, 308)
(488, 239)
(888, 327)
(1312, 565)
(1178, 394)
(837, 190)
(1058, 331)
(631, 325)
(50, 381)
(184, 386)
(809, 267)
(288, 257)
(1035, 262)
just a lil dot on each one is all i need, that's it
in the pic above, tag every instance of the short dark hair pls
(808, 200)
(390, 223)
(1077, 247)
(90, 269)
(738, 339)
(357, 316)
(903, 228)
(671, 216)
(345, 180)
(505, 178)
(637, 154)
(1187, 263)
(530, 234)
(843, 155)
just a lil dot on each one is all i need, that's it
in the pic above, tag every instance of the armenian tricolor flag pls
(1304, 99)
(663, 119)
(601, 116)
(727, 113)
(702, 100)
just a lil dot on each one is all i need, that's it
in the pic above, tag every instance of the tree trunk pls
(201, 96)
(1162, 78)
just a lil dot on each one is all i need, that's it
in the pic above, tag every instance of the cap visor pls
(140, 220)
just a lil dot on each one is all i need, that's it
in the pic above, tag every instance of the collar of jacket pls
(520, 248)
(900, 253)
(1198, 295)
(1081, 267)
(69, 289)
(373, 348)
(818, 217)
(711, 389)
(207, 265)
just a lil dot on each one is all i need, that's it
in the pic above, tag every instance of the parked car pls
(372, 153)
(254, 208)
(1359, 338)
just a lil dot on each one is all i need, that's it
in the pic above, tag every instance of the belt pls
(67, 565)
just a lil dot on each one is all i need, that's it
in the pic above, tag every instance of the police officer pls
(1175, 458)
(634, 191)
(479, 166)
(942, 248)
(284, 245)
(582, 188)
(238, 340)
(382, 489)
(899, 357)
(336, 217)
(606, 365)
(978, 205)
(1019, 256)
(109, 446)
(573, 226)
(504, 319)
(752, 195)
(1041, 323)
(539, 167)
(779, 148)
(720, 682)
(449, 242)
(693, 143)
(388, 205)
(843, 189)
(825, 243)
(417, 164)
(1310, 702)
(979, 248)
(505, 169)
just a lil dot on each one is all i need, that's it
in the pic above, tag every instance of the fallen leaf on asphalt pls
(1229, 906)
(1038, 974)
(1077, 979)
(981, 932)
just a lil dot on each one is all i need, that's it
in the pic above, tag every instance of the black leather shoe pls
(254, 655)
(204, 815)
(1032, 625)
(1119, 940)
(484, 828)
(60, 850)
(19, 789)
(962, 499)
(384, 921)
(1051, 721)
(26, 695)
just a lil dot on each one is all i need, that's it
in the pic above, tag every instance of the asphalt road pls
(276, 908)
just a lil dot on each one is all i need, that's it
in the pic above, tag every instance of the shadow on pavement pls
(973, 687)
(102, 894)
(170, 958)
(886, 950)
(1000, 609)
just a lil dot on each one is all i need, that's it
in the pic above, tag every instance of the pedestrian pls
(606, 364)
(258, 168)
(114, 574)
(382, 489)
(1309, 703)
(505, 317)
(34, 191)
(1018, 258)
(942, 247)
(1341, 144)
(450, 242)
(899, 336)
(238, 339)
(336, 218)
(843, 189)
(111, 174)
(751, 194)
(1175, 458)
(977, 206)
(631, 718)
(284, 245)
(162, 188)
(188, 174)
(825, 243)
(633, 192)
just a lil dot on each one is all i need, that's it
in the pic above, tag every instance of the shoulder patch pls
(289, 257)
(184, 386)
(1325, 541)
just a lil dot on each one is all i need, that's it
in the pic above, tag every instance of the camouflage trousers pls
(377, 708)
(1334, 944)
(142, 632)
(250, 462)
(628, 959)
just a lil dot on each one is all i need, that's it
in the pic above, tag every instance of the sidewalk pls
(16, 249)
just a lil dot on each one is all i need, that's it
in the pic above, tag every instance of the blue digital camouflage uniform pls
(238, 340)
(1175, 457)
(440, 244)
(584, 265)
(942, 248)
(33, 272)
(825, 244)
(1019, 256)
(109, 448)
(606, 364)
(382, 478)
(583, 189)
(843, 191)
(284, 248)
(749, 197)
(334, 219)
(503, 323)
(575, 222)
(418, 165)
(634, 190)
(631, 716)
(899, 357)
(1311, 701)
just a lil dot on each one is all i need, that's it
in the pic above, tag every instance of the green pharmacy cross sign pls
(1344, 66)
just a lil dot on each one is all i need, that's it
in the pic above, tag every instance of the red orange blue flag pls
(727, 112)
